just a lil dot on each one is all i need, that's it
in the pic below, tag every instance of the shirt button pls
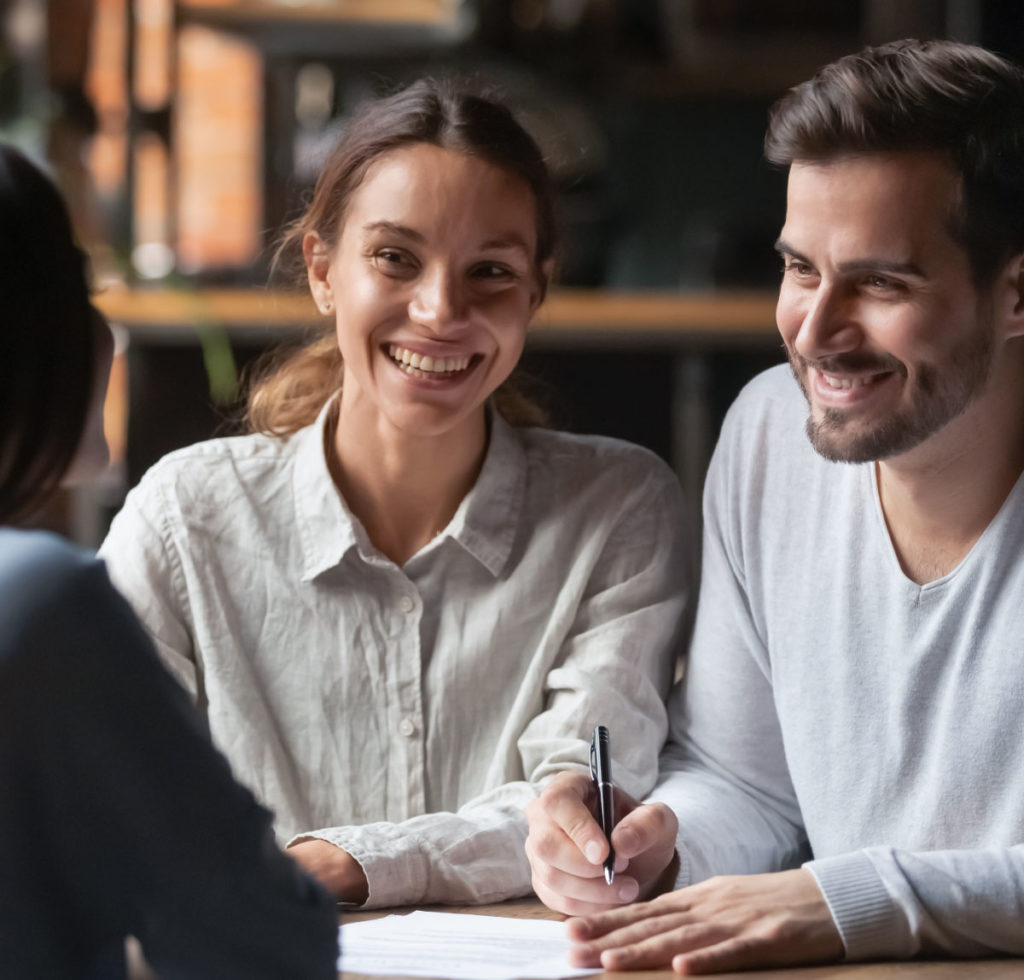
(406, 604)
(406, 727)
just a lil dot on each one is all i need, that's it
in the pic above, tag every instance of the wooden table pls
(1008, 969)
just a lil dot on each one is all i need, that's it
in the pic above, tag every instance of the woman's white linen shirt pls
(407, 714)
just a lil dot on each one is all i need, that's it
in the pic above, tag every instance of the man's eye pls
(883, 283)
(799, 269)
(491, 270)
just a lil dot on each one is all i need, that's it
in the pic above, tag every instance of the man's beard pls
(941, 392)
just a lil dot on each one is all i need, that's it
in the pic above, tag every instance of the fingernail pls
(627, 891)
(593, 852)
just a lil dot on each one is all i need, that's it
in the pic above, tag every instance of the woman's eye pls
(394, 262)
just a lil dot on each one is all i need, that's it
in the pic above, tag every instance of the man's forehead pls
(901, 201)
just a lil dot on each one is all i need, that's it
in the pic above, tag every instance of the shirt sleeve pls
(615, 664)
(898, 904)
(129, 813)
(147, 571)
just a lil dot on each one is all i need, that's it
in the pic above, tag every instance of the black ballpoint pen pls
(601, 773)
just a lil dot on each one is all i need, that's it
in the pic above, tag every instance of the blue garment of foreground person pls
(117, 816)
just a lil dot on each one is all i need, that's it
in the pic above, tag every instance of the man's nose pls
(439, 301)
(829, 324)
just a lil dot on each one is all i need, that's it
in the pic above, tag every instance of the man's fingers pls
(549, 847)
(736, 953)
(593, 927)
(564, 804)
(588, 892)
(651, 827)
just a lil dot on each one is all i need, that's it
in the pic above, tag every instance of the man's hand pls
(566, 847)
(723, 924)
(336, 870)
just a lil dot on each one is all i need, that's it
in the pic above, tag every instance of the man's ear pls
(1014, 279)
(317, 257)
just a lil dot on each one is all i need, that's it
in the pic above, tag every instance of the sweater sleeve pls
(896, 903)
(723, 771)
(134, 816)
(616, 663)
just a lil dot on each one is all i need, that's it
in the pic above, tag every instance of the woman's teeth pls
(431, 365)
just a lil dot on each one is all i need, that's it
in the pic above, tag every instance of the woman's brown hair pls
(46, 338)
(289, 393)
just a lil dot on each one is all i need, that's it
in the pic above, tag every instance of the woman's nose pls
(439, 302)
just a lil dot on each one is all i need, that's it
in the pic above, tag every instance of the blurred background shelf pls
(567, 317)
(187, 133)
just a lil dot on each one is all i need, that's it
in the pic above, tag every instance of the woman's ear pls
(317, 257)
(542, 282)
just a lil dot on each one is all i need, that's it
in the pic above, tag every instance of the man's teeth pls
(432, 365)
(847, 382)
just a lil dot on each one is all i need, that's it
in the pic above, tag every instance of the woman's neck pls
(404, 487)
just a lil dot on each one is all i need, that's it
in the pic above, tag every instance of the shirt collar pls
(488, 517)
(327, 528)
(485, 523)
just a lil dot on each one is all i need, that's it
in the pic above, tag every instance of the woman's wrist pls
(333, 867)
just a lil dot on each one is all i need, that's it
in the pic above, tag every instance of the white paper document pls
(457, 946)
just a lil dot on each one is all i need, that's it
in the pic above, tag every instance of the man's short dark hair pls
(956, 100)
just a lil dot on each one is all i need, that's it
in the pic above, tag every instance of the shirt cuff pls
(389, 882)
(870, 923)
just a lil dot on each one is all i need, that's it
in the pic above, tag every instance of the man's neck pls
(939, 498)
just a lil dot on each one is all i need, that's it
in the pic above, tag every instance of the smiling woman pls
(401, 608)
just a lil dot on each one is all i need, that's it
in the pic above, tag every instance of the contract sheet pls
(457, 946)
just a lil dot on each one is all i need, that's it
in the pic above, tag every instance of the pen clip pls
(593, 759)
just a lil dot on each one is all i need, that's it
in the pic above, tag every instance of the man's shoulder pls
(773, 393)
(771, 410)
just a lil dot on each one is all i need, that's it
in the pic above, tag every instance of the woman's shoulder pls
(597, 457)
(214, 469)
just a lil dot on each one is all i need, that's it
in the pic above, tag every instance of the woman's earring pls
(328, 306)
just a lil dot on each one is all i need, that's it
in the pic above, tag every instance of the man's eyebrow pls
(783, 249)
(892, 266)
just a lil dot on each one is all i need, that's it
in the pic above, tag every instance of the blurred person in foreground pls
(846, 750)
(117, 817)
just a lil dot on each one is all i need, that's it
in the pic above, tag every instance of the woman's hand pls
(334, 868)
